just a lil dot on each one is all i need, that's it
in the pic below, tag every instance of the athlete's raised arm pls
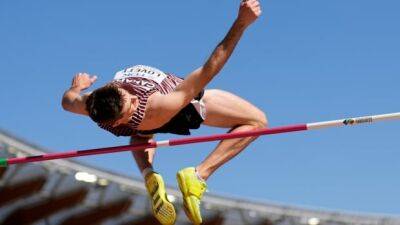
(197, 80)
(73, 100)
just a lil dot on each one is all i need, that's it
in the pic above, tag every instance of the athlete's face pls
(129, 107)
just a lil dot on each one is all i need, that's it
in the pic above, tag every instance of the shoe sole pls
(162, 209)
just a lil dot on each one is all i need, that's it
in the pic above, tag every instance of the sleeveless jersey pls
(141, 81)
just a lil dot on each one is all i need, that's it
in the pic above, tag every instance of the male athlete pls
(141, 101)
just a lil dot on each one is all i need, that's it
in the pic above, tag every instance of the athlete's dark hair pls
(105, 104)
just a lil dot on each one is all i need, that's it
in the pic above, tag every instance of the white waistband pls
(200, 108)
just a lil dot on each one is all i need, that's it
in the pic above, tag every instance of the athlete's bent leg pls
(162, 208)
(226, 110)
(144, 159)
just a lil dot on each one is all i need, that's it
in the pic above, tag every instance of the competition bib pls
(141, 71)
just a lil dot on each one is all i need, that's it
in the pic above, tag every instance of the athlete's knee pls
(260, 120)
(263, 120)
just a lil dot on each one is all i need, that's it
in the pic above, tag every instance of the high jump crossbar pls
(4, 162)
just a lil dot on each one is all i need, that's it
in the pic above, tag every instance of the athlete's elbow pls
(66, 105)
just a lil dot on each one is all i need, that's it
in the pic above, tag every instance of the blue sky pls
(302, 61)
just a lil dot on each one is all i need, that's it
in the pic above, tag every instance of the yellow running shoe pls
(163, 209)
(192, 190)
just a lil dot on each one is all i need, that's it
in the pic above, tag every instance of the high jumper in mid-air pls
(141, 101)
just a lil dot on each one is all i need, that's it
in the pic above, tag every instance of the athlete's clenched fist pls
(249, 11)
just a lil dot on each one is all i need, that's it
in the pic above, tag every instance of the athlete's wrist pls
(76, 89)
(240, 24)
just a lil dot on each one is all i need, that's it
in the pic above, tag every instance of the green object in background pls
(3, 162)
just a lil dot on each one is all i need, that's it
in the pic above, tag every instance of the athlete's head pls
(111, 105)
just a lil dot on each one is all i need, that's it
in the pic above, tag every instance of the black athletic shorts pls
(188, 118)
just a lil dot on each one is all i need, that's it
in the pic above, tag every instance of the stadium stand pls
(63, 192)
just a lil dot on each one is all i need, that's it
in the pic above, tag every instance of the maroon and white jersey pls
(141, 81)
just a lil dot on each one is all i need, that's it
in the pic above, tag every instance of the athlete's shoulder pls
(155, 112)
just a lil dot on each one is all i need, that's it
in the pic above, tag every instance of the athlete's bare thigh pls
(224, 109)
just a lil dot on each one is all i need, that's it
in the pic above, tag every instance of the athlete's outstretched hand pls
(83, 81)
(249, 11)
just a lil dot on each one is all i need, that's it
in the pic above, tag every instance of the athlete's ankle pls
(147, 171)
(200, 175)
